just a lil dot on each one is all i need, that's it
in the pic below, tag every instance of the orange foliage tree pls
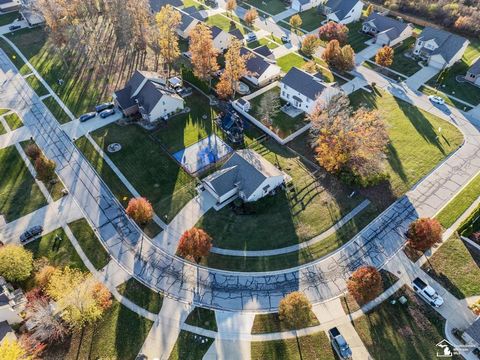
(333, 31)
(250, 16)
(365, 284)
(423, 233)
(194, 244)
(140, 210)
(295, 310)
(310, 43)
(384, 56)
(342, 58)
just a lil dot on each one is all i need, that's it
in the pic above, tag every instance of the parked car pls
(14, 27)
(426, 292)
(285, 39)
(250, 37)
(31, 233)
(87, 116)
(339, 344)
(187, 54)
(104, 106)
(106, 113)
(437, 99)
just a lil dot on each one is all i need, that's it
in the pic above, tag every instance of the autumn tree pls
(365, 284)
(45, 320)
(33, 151)
(203, 53)
(16, 263)
(194, 244)
(369, 10)
(168, 19)
(13, 350)
(423, 233)
(310, 67)
(42, 276)
(45, 168)
(295, 310)
(268, 107)
(250, 16)
(140, 210)
(77, 296)
(230, 6)
(310, 43)
(333, 31)
(347, 61)
(342, 58)
(384, 56)
(295, 23)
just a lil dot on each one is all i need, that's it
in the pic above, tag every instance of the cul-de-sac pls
(239, 179)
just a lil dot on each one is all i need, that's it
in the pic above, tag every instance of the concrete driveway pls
(366, 53)
(421, 77)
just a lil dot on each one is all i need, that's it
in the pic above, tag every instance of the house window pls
(288, 96)
(265, 188)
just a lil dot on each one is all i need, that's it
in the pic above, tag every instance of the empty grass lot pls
(403, 64)
(19, 194)
(190, 346)
(356, 39)
(147, 166)
(141, 295)
(13, 120)
(36, 85)
(2, 129)
(272, 7)
(311, 20)
(401, 332)
(456, 265)
(316, 346)
(90, 243)
(271, 323)
(204, 318)
(56, 110)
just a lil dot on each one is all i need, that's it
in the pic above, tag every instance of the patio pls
(291, 110)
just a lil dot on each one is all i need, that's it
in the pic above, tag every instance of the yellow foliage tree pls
(204, 55)
(12, 350)
(384, 56)
(167, 20)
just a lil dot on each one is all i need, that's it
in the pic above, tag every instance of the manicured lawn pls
(190, 346)
(471, 225)
(290, 60)
(56, 110)
(2, 129)
(311, 20)
(4, 111)
(203, 318)
(188, 3)
(456, 265)
(141, 295)
(107, 174)
(272, 7)
(356, 39)
(282, 124)
(13, 120)
(148, 167)
(460, 203)
(8, 18)
(12, 55)
(403, 64)
(270, 323)
(36, 85)
(90, 243)
(263, 41)
(448, 100)
(316, 346)
(401, 332)
(19, 194)
(228, 24)
(57, 248)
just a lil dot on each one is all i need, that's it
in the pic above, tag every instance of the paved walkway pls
(14, 136)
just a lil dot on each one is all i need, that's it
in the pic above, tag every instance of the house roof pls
(216, 31)
(341, 7)
(448, 44)
(256, 64)
(236, 33)
(303, 2)
(151, 93)
(474, 331)
(6, 331)
(185, 22)
(475, 68)
(195, 13)
(156, 5)
(245, 169)
(384, 24)
(263, 50)
(306, 84)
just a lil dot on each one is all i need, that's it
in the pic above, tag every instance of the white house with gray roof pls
(302, 89)
(387, 30)
(303, 5)
(221, 39)
(262, 70)
(473, 73)
(440, 48)
(12, 303)
(343, 11)
(245, 175)
(187, 23)
(149, 94)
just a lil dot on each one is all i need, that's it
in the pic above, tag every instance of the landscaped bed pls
(141, 295)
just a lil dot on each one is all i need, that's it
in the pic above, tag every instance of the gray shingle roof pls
(341, 7)
(156, 5)
(256, 64)
(195, 13)
(392, 27)
(5, 329)
(303, 2)
(448, 44)
(263, 50)
(185, 22)
(309, 85)
(124, 96)
(216, 31)
(475, 68)
(236, 33)
(474, 331)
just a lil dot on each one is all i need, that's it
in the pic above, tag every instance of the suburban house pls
(236, 33)
(156, 5)
(200, 15)
(264, 51)
(386, 30)
(302, 89)
(6, 332)
(303, 5)
(12, 303)
(10, 5)
(261, 71)
(149, 94)
(343, 11)
(440, 48)
(187, 23)
(473, 74)
(221, 39)
(245, 175)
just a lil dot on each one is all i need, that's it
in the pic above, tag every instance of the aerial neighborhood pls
(239, 179)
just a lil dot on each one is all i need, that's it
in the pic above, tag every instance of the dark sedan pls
(87, 116)
(106, 113)
(31, 233)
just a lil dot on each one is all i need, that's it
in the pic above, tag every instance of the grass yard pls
(19, 194)
(448, 100)
(460, 203)
(12, 55)
(403, 64)
(456, 265)
(203, 318)
(271, 323)
(401, 332)
(8, 18)
(290, 60)
(471, 225)
(264, 41)
(149, 168)
(90, 243)
(36, 85)
(272, 7)
(282, 124)
(228, 23)
(316, 346)
(13, 120)
(190, 346)
(4, 111)
(311, 20)
(356, 38)
(188, 3)
(56, 110)
(2, 129)
(141, 295)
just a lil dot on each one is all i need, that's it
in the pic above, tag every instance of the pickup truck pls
(427, 292)
(339, 344)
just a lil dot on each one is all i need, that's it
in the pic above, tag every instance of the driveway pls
(366, 53)
(421, 77)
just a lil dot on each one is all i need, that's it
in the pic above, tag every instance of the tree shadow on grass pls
(395, 162)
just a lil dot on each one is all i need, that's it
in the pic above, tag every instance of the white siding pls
(287, 93)
(165, 106)
(268, 185)
(9, 315)
(222, 41)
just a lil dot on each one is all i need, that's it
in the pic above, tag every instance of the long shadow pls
(395, 162)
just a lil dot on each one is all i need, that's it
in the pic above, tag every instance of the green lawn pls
(311, 20)
(456, 266)
(401, 332)
(203, 318)
(148, 167)
(316, 346)
(141, 295)
(290, 60)
(58, 250)
(448, 100)
(19, 194)
(228, 24)
(56, 110)
(90, 243)
(282, 124)
(36, 85)
(190, 346)
(188, 3)
(460, 203)
(403, 64)
(272, 7)
(471, 225)
(2, 129)
(263, 41)
(13, 120)
(4, 111)
(8, 18)
(271, 323)
(12, 55)
(356, 39)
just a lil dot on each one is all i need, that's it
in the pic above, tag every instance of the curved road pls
(224, 290)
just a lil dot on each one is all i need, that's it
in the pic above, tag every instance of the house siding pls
(272, 182)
